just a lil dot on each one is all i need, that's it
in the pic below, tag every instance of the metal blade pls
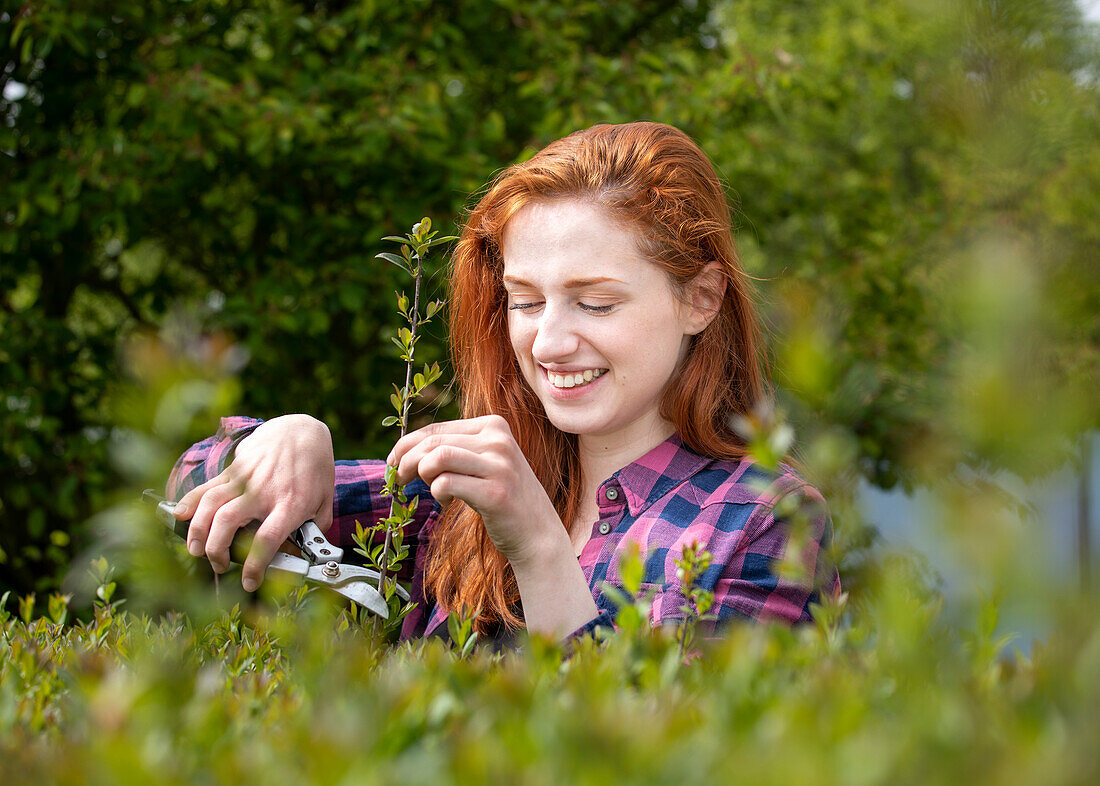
(354, 582)
(288, 563)
(365, 595)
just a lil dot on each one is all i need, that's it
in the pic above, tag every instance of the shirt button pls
(612, 494)
(604, 527)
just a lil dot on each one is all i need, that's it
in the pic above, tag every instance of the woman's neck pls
(600, 458)
(603, 456)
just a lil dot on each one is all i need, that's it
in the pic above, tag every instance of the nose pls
(556, 337)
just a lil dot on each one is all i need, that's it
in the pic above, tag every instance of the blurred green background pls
(203, 185)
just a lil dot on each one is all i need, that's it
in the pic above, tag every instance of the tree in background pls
(232, 168)
(916, 186)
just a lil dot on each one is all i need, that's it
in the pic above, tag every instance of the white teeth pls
(574, 379)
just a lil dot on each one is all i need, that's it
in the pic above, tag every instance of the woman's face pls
(596, 327)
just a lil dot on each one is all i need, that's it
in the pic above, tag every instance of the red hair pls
(653, 178)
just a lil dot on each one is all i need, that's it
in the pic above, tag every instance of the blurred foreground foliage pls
(916, 182)
(300, 692)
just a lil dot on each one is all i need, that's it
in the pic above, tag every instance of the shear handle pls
(242, 540)
(313, 544)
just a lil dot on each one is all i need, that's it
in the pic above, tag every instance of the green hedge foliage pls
(299, 693)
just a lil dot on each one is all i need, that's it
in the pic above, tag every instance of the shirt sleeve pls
(207, 458)
(780, 566)
(604, 620)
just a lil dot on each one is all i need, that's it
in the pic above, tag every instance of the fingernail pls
(194, 548)
(249, 585)
(180, 509)
(389, 460)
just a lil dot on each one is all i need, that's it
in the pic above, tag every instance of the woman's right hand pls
(282, 474)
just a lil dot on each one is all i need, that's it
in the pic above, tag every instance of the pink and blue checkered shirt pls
(747, 518)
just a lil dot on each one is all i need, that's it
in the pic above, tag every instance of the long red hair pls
(654, 178)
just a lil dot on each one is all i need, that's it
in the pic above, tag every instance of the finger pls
(269, 537)
(229, 518)
(409, 461)
(207, 507)
(322, 517)
(190, 501)
(447, 427)
(448, 458)
(474, 491)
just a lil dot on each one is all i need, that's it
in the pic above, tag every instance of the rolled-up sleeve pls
(207, 458)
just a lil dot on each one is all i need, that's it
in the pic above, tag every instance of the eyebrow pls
(573, 283)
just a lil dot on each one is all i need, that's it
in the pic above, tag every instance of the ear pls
(704, 298)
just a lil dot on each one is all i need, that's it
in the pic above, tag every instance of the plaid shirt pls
(747, 518)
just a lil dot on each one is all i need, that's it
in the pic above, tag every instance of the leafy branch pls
(387, 557)
(692, 564)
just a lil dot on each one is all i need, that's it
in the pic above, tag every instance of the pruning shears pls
(321, 562)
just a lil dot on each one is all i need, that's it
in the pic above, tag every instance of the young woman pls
(603, 337)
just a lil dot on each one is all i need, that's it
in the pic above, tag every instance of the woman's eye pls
(521, 306)
(595, 309)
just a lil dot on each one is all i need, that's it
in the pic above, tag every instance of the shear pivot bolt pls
(331, 569)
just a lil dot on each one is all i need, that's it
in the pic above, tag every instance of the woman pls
(603, 338)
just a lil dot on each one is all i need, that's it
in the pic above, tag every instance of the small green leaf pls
(393, 259)
(26, 608)
(616, 595)
(631, 568)
(389, 420)
(468, 647)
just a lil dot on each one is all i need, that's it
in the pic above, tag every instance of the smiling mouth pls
(574, 379)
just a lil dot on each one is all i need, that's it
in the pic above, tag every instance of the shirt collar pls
(652, 476)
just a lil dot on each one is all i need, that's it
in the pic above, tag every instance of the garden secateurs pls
(320, 563)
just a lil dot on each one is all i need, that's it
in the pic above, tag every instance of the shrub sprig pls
(387, 557)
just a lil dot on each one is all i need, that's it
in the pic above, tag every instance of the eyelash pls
(584, 306)
(595, 309)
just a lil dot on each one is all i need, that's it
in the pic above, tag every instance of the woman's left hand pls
(478, 461)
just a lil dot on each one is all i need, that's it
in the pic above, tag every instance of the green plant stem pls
(414, 323)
